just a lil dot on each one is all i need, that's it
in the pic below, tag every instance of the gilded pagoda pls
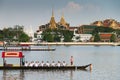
(63, 23)
(52, 24)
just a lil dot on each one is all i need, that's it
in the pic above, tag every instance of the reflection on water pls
(51, 75)
(39, 74)
(13, 75)
(71, 75)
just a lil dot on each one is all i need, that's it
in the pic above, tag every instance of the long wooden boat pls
(46, 68)
(21, 56)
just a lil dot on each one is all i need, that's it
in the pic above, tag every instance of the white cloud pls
(72, 7)
(92, 7)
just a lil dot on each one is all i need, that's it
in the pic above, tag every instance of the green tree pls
(113, 38)
(56, 38)
(96, 38)
(67, 35)
(10, 34)
(24, 37)
(1, 35)
(49, 38)
(117, 31)
(18, 30)
(55, 35)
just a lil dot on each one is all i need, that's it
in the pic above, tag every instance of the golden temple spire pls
(62, 21)
(52, 21)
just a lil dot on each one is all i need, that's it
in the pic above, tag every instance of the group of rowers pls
(47, 64)
(42, 64)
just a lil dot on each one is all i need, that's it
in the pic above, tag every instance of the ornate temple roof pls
(108, 23)
(105, 35)
(63, 22)
(114, 24)
(52, 22)
(98, 23)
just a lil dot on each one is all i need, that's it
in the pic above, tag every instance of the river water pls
(105, 60)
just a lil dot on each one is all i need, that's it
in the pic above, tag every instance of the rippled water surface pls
(105, 60)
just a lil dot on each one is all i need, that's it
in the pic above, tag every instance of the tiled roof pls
(105, 35)
(88, 26)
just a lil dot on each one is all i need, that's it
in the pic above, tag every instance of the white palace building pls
(81, 37)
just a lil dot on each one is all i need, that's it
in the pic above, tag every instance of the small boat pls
(46, 68)
(26, 47)
(33, 49)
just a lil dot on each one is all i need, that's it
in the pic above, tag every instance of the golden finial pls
(52, 12)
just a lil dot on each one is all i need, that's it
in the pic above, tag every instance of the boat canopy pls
(12, 54)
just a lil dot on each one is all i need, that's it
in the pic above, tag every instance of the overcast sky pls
(37, 12)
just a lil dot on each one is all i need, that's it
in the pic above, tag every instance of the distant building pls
(85, 37)
(86, 29)
(72, 28)
(43, 27)
(39, 35)
(81, 37)
(107, 23)
(105, 37)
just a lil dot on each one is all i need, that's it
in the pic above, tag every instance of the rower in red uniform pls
(71, 60)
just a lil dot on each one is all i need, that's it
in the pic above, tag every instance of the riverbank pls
(67, 43)
(74, 43)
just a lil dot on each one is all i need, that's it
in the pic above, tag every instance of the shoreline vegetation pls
(75, 43)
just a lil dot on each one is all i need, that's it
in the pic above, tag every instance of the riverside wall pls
(74, 43)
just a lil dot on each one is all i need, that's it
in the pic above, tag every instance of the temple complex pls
(105, 37)
(62, 24)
